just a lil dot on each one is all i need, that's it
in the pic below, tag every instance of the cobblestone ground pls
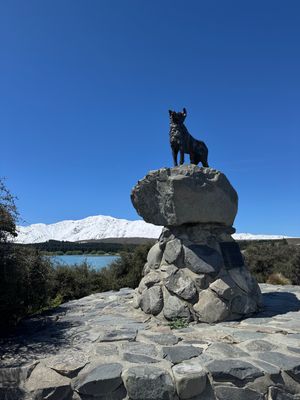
(101, 347)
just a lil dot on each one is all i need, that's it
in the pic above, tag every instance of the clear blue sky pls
(86, 87)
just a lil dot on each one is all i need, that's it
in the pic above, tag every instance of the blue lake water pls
(96, 262)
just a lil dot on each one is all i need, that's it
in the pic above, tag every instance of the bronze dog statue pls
(182, 141)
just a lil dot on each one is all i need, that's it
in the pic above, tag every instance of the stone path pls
(100, 347)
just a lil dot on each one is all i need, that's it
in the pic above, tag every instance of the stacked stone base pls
(196, 272)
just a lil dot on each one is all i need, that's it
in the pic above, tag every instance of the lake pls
(96, 262)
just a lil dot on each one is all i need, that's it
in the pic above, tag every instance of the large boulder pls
(185, 194)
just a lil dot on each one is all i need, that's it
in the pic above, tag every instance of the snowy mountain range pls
(102, 227)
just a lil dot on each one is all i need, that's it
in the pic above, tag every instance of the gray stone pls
(262, 383)
(225, 350)
(224, 287)
(232, 370)
(149, 280)
(165, 339)
(259, 345)
(177, 354)
(139, 358)
(117, 334)
(202, 259)
(181, 284)
(99, 381)
(244, 304)
(210, 308)
(12, 393)
(69, 363)
(44, 383)
(140, 348)
(173, 252)
(231, 254)
(107, 349)
(244, 280)
(275, 393)
(185, 194)
(287, 363)
(268, 368)
(15, 376)
(154, 256)
(152, 300)
(148, 383)
(190, 379)
(174, 307)
(294, 349)
(236, 393)
(201, 281)
(290, 384)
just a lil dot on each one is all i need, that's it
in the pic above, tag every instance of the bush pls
(266, 259)
(127, 270)
(25, 283)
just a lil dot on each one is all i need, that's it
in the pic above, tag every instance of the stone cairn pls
(195, 271)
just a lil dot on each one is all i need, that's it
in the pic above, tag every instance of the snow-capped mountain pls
(102, 227)
(91, 228)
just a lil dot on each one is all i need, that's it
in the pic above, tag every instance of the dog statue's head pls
(177, 117)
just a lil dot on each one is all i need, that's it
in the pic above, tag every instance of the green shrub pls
(25, 283)
(266, 259)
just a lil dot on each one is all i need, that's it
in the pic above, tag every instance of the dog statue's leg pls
(181, 157)
(193, 159)
(175, 153)
(204, 161)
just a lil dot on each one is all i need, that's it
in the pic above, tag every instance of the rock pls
(225, 288)
(148, 383)
(68, 363)
(268, 369)
(185, 194)
(202, 259)
(259, 345)
(152, 300)
(149, 280)
(236, 393)
(12, 377)
(173, 252)
(177, 354)
(201, 281)
(190, 379)
(117, 334)
(44, 383)
(174, 307)
(99, 381)
(225, 350)
(166, 339)
(154, 256)
(275, 393)
(210, 308)
(233, 370)
(243, 279)
(140, 348)
(181, 284)
(287, 363)
(139, 358)
(244, 304)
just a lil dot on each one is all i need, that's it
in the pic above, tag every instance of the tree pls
(8, 213)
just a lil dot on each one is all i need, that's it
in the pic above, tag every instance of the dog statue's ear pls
(170, 112)
(184, 112)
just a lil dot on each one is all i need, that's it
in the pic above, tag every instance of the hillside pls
(101, 227)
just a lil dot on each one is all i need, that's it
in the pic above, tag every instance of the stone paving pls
(101, 347)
